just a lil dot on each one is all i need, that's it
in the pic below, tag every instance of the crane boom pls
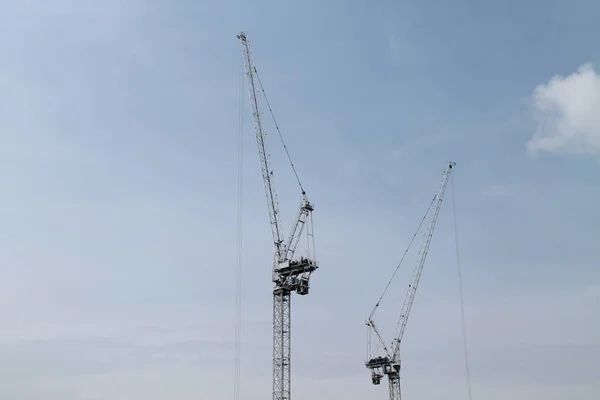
(389, 364)
(422, 255)
(261, 134)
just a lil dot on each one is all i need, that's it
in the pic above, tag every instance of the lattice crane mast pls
(289, 274)
(389, 363)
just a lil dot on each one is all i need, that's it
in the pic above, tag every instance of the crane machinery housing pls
(389, 363)
(289, 274)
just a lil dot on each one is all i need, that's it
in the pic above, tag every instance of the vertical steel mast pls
(389, 363)
(289, 274)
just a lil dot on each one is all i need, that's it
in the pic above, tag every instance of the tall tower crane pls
(289, 274)
(389, 363)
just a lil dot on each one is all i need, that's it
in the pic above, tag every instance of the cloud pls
(567, 113)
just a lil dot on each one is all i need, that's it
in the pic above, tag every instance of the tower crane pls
(289, 274)
(389, 363)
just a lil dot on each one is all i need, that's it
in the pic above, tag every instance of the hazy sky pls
(118, 128)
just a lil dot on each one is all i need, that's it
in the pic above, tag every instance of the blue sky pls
(118, 129)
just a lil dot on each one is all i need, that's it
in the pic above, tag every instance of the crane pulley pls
(389, 363)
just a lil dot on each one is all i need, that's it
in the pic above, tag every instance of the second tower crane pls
(389, 363)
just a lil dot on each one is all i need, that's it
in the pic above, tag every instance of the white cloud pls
(567, 112)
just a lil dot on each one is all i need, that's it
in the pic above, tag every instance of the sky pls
(119, 127)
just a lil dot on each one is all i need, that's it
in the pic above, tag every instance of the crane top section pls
(289, 274)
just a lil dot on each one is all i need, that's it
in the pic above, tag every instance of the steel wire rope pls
(239, 260)
(279, 131)
(403, 256)
(460, 292)
(378, 346)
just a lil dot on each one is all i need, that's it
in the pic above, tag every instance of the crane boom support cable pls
(403, 257)
(460, 292)
(279, 131)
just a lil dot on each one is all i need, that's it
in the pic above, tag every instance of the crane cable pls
(279, 132)
(402, 259)
(238, 272)
(378, 345)
(460, 291)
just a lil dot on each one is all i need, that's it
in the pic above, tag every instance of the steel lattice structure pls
(289, 274)
(389, 363)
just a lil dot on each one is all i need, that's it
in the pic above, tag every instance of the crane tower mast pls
(289, 274)
(389, 363)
